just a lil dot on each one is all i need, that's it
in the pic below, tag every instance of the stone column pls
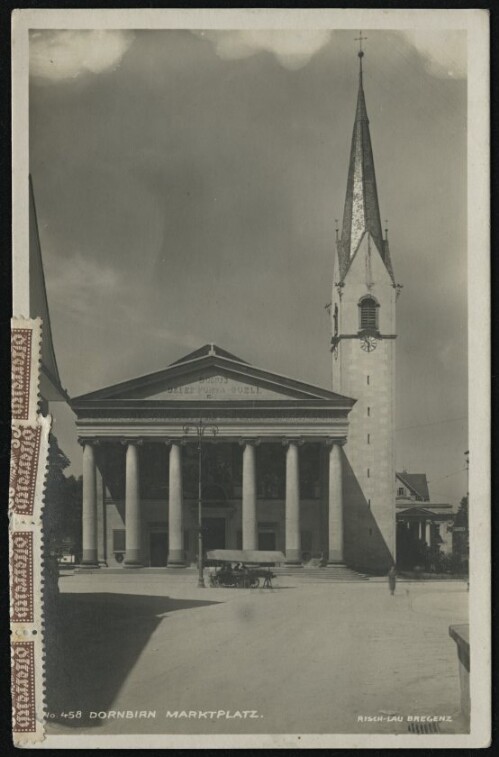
(89, 510)
(335, 505)
(175, 505)
(250, 531)
(132, 508)
(428, 533)
(101, 518)
(293, 536)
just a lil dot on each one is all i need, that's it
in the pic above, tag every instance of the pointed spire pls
(51, 387)
(361, 211)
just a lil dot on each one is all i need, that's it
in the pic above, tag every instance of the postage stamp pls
(248, 505)
(28, 470)
(25, 357)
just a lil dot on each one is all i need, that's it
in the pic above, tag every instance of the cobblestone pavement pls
(301, 658)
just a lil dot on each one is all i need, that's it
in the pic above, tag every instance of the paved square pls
(302, 658)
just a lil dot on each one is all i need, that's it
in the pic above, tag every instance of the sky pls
(187, 186)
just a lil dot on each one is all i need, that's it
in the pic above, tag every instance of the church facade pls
(285, 465)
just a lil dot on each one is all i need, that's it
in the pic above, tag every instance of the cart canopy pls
(255, 556)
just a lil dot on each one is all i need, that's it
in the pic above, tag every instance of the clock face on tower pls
(368, 343)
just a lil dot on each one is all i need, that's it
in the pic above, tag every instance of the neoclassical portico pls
(126, 426)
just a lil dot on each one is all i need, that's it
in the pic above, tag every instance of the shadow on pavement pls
(92, 641)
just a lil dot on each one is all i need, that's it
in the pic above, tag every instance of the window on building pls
(401, 491)
(271, 471)
(119, 539)
(221, 469)
(368, 314)
(266, 539)
(310, 471)
(306, 545)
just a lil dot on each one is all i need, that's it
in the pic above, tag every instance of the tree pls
(63, 501)
(460, 537)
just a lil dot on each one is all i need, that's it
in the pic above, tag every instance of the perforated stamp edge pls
(28, 470)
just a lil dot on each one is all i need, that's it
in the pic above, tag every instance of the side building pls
(425, 528)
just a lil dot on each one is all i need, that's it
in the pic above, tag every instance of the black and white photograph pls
(247, 239)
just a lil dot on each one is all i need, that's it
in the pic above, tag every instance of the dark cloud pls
(184, 198)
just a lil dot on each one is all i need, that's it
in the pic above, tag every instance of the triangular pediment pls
(211, 384)
(416, 512)
(208, 375)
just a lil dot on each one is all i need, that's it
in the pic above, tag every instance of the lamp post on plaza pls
(200, 429)
(467, 463)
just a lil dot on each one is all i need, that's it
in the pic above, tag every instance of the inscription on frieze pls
(217, 388)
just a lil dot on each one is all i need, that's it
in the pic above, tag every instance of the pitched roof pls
(427, 511)
(208, 349)
(416, 482)
(361, 212)
(212, 359)
(38, 308)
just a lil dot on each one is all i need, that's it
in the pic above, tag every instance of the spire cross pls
(360, 39)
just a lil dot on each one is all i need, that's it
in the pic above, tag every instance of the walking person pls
(392, 579)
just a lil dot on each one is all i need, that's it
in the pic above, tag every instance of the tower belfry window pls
(368, 314)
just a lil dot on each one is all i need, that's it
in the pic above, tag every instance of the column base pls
(132, 564)
(293, 556)
(176, 564)
(293, 559)
(336, 563)
(103, 564)
(335, 557)
(89, 559)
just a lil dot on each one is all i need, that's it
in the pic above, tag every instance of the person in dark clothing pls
(392, 579)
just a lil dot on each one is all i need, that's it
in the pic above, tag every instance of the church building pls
(286, 465)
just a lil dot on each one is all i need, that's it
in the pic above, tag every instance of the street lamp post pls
(467, 461)
(200, 429)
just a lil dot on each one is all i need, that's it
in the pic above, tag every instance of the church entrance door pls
(213, 533)
(158, 549)
(266, 540)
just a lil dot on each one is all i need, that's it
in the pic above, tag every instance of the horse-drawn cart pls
(243, 568)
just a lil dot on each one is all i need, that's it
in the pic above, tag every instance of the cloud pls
(292, 48)
(443, 51)
(59, 55)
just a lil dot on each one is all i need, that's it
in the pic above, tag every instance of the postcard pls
(250, 482)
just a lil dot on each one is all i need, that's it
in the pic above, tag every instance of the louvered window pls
(368, 308)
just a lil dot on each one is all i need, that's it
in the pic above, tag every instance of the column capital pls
(298, 440)
(128, 440)
(338, 442)
(253, 440)
(88, 440)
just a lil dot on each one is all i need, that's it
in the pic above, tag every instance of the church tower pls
(363, 326)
